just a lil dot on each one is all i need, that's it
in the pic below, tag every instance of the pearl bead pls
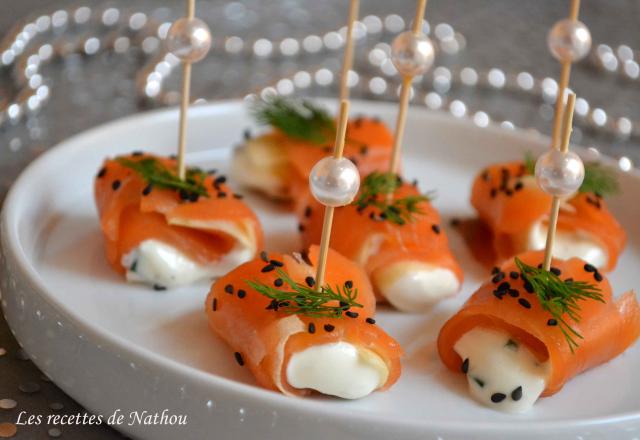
(412, 54)
(189, 39)
(334, 182)
(559, 174)
(569, 40)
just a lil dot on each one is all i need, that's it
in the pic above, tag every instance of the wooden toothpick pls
(338, 149)
(184, 102)
(347, 62)
(567, 122)
(563, 83)
(405, 93)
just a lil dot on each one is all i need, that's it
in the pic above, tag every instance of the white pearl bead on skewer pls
(412, 54)
(334, 182)
(189, 39)
(569, 40)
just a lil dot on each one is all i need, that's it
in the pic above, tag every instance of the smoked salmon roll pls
(164, 231)
(278, 162)
(516, 211)
(526, 332)
(394, 232)
(296, 340)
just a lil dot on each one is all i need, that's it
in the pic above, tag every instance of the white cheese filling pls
(160, 264)
(567, 244)
(412, 286)
(501, 373)
(259, 164)
(337, 369)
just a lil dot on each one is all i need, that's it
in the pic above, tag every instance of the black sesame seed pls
(598, 276)
(498, 397)
(351, 314)
(435, 228)
(524, 303)
(184, 195)
(485, 175)
(137, 153)
(370, 321)
(528, 286)
(364, 150)
(493, 193)
(512, 345)
(455, 222)
(212, 171)
(480, 382)
(465, 366)
(518, 186)
(590, 268)
(514, 275)
(276, 263)
(552, 322)
(312, 328)
(147, 189)
(159, 287)
(242, 293)
(504, 286)
(348, 284)
(516, 394)
(508, 192)
(328, 328)
(300, 227)
(229, 289)
(102, 172)
(264, 256)
(555, 271)
(278, 282)
(219, 180)
(568, 281)
(307, 211)
(498, 294)
(115, 185)
(247, 134)
(214, 306)
(239, 359)
(497, 278)
(268, 268)
(540, 266)
(222, 194)
(495, 270)
(193, 197)
(310, 281)
(514, 293)
(238, 196)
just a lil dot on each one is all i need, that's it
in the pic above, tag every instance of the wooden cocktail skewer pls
(331, 201)
(412, 54)
(569, 41)
(189, 39)
(555, 206)
(347, 61)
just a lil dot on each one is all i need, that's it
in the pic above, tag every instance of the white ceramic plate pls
(112, 346)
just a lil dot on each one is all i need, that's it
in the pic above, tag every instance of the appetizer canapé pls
(516, 211)
(278, 162)
(395, 234)
(296, 338)
(527, 331)
(164, 231)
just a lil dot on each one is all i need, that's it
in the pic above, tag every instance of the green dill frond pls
(296, 118)
(530, 163)
(599, 179)
(157, 174)
(301, 299)
(560, 298)
(374, 191)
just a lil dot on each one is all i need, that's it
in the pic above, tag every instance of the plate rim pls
(9, 222)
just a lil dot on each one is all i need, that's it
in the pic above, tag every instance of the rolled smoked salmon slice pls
(390, 252)
(265, 337)
(607, 328)
(511, 204)
(214, 230)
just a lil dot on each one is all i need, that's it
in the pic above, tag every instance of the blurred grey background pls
(87, 90)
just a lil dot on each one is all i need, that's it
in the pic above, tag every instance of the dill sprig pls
(157, 174)
(374, 192)
(560, 297)
(296, 118)
(598, 178)
(301, 299)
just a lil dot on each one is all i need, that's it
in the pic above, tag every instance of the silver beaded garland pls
(559, 174)
(569, 40)
(189, 39)
(334, 182)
